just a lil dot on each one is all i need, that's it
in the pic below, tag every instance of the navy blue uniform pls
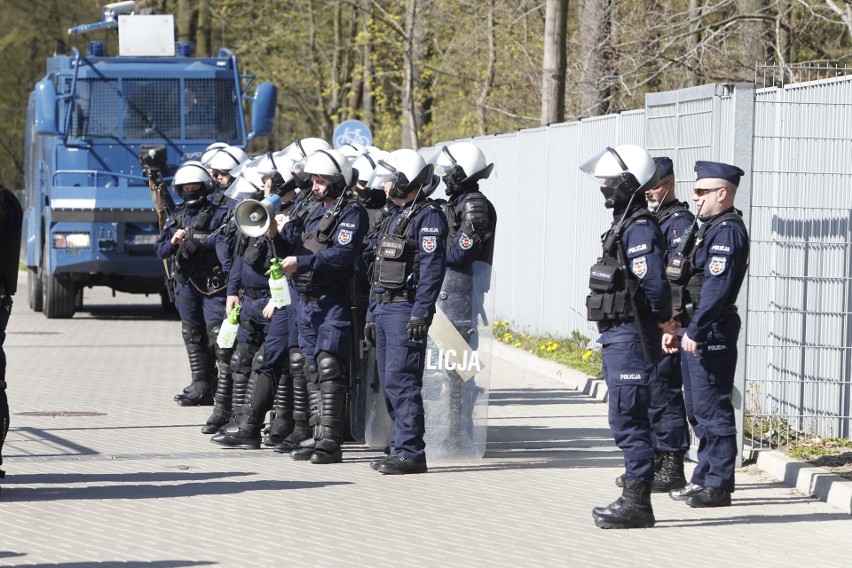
(721, 255)
(667, 412)
(628, 375)
(400, 360)
(199, 293)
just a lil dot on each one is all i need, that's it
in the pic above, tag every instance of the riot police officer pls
(708, 347)
(472, 222)
(324, 252)
(630, 300)
(409, 268)
(201, 261)
(11, 221)
(221, 166)
(667, 412)
(262, 340)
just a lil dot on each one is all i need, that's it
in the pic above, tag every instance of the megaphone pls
(254, 217)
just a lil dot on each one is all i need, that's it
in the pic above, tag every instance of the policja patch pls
(429, 244)
(344, 237)
(465, 242)
(717, 265)
(640, 267)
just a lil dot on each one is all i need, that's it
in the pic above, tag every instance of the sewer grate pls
(56, 413)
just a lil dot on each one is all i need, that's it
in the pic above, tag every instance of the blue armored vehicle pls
(90, 216)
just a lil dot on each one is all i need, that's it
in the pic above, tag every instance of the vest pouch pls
(390, 262)
(605, 276)
(678, 270)
(594, 307)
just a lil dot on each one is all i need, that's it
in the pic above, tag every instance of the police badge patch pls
(640, 267)
(465, 242)
(429, 244)
(344, 237)
(717, 265)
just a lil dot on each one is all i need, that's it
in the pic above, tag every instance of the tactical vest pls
(680, 296)
(319, 240)
(611, 284)
(696, 275)
(206, 262)
(484, 217)
(397, 265)
(11, 215)
(663, 215)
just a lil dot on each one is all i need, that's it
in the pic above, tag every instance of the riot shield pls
(458, 366)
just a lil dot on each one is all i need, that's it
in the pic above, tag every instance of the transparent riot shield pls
(458, 366)
(377, 422)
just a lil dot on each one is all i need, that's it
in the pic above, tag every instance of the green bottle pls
(228, 331)
(278, 284)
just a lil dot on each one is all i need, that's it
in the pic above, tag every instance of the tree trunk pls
(412, 113)
(553, 62)
(367, 64)
(596, 43)
(752, 34)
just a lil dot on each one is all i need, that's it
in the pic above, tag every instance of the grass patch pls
(813, 448)
(572, 352)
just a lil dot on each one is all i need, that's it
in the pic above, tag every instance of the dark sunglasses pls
(701, 191)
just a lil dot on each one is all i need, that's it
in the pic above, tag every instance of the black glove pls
(418, 328)
(189, 248)
(370, 333)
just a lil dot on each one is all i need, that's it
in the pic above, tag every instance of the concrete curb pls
(809, 479)
(577, 380)
(806, 478)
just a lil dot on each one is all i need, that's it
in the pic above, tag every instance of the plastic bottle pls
(278, 285)
(228, 331)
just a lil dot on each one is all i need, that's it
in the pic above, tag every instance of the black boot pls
(248, 417)
(200, 391)
(658, 465)
(222, 397)
(332, 409)
(282, 423)
(631, 510)
(670, 476)
(301, 407)
(710, 497)
(240, 373)
(305, 449)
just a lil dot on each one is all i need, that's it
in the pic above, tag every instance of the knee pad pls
(241, 361)
(192, 335)
(212, 334)
(297, 362)
(329, 367)
(258, 362)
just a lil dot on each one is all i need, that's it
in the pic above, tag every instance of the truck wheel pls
(58, 293)
(34, 291)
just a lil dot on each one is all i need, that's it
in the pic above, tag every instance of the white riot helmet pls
(331, 165)
(352, 150)
(304, 147)
(406, 169)
(193, 172)
(622, 171)
(227, 159)
(211, 151)
(461, 165)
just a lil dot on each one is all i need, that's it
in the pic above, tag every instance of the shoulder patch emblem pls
(429, 244)
(640, 267)
(465, 242)
(344, 237)
(717, 265)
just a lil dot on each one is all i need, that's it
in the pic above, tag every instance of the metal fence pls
(794, 141)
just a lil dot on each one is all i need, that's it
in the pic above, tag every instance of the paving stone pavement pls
(133, 482)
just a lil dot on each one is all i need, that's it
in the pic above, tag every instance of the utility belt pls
(689, 310)
(395, 296)
(307, 298)
(255, 293)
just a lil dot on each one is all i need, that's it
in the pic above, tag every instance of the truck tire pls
(34, 291)
(58, 292)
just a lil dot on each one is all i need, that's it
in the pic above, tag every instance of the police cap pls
(718, 170)
(665, 167)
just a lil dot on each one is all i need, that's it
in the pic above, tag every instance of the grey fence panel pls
(799, 336)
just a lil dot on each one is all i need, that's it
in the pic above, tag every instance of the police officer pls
(201, 261)
(321, 265)
(409, 268)
(221, 166)
(708, 347)
(11, 221)
(260, 347)
(472, 222)
(667, 412)
(630, 300)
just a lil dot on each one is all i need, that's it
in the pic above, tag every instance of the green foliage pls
(811, 449)
(573, 352)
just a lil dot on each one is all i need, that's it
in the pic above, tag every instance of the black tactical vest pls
(205, 263)
(610, 283)
(319, 240)
(484, 218)
(398, 257)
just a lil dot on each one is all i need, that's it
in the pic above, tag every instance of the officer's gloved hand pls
(370, 333)
(190, 247)
(418, 328)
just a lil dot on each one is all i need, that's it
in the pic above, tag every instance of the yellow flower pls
(518, 344)
(587, 355)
